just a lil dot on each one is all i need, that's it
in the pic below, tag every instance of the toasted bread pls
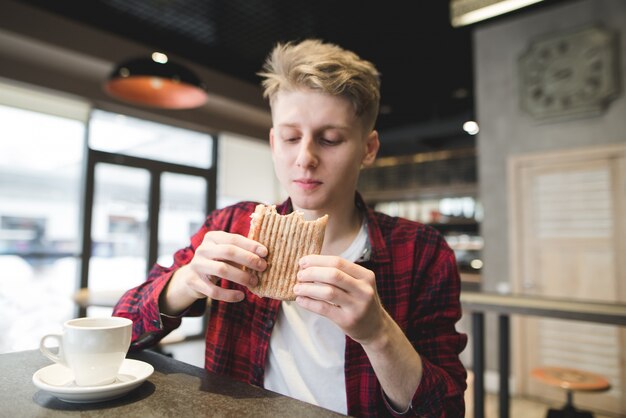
(287, 238)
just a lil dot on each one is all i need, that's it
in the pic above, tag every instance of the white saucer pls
(59, 382)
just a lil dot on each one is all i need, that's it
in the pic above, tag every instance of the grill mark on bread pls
(279, 254)
(282, 257)
(294, 247)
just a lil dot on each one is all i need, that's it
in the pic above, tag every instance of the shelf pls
(467, 246)
(468, 226)
(470, 277)
(420, 193)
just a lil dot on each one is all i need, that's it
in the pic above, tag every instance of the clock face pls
(572, 74)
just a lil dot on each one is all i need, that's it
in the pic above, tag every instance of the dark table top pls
(174, 389)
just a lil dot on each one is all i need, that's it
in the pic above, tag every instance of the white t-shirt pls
(306, 353)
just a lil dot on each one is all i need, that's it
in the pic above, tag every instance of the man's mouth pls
(307, 184)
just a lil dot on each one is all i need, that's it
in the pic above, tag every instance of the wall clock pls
(572, 74)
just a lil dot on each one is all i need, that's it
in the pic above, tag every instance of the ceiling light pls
(471, 127)
(156, 82)
(466, 12)
(159, 57)
(476, 264)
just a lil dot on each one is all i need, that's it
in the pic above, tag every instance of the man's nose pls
(307, 153)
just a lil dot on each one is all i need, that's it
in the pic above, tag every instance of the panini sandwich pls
(287, 238)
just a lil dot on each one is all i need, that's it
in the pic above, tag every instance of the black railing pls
(478, 304)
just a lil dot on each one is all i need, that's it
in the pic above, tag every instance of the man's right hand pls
(220, 256)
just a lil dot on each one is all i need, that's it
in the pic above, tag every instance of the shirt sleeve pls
(434, 336)
(431, 398)
(141, 304)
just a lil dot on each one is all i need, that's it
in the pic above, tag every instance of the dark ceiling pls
(426, 65)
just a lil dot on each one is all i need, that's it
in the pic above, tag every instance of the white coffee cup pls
(93, 348)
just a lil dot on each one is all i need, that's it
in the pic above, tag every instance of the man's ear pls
(372, 145)
(272, 139)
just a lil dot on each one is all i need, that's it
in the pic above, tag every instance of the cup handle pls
(57, 358)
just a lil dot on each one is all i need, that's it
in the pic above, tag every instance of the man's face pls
(318, 147)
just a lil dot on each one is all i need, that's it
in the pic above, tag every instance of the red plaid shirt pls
(418, 283)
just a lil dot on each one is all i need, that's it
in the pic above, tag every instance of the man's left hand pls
(344, 292)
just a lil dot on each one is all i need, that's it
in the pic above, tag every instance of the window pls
(153, 185)
(40, 178)
(120, 134)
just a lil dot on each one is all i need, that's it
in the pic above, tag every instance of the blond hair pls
(326, 68)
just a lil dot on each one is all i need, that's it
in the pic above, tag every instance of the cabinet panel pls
(566, 240)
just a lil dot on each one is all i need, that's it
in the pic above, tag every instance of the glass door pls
(119, 231)
(148, 188)
(182, 212)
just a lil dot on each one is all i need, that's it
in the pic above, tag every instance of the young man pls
(372, 331)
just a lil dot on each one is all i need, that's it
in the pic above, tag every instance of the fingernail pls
(261, 251)
(296, 289)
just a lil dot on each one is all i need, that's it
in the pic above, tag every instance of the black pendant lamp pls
(156, 82)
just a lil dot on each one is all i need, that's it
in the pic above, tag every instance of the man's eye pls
(329, 142)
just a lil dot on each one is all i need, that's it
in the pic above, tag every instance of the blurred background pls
(501, 125)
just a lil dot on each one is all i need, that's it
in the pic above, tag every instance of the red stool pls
(572, 380)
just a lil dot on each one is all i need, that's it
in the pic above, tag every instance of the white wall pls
(246, 171)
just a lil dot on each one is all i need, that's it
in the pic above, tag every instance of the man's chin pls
(308, 203)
